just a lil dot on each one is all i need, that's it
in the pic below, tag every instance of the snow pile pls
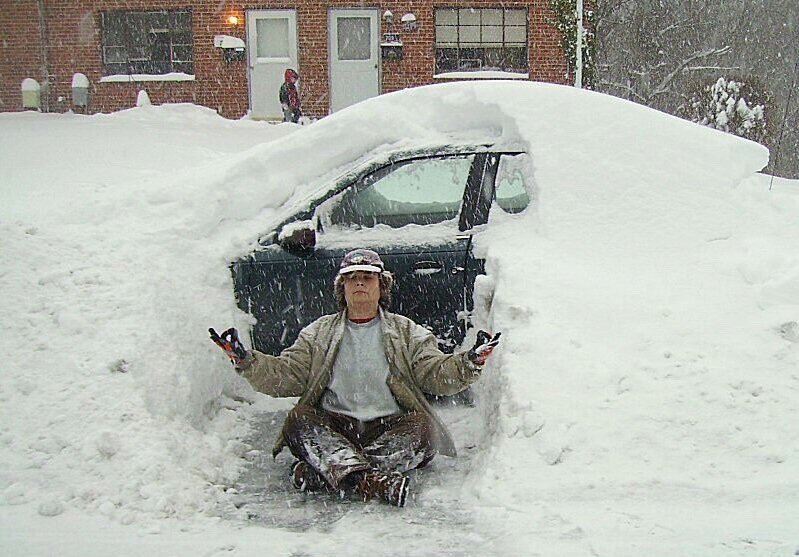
(648, 353)
(143, 99)
(97, 411)
(80, 80)
(648, 300)
(30, 84)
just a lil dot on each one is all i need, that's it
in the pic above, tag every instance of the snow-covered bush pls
(736, 106)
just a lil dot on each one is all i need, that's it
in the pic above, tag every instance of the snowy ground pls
(644, 400)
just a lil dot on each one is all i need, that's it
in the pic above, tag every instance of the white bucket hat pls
(361, 260)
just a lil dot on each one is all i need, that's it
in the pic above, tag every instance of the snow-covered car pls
(648, 299)
(419, 208)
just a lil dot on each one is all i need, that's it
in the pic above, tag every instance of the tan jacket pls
(417, 365)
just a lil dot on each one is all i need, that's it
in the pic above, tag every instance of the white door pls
(354, 57)
(272, 48)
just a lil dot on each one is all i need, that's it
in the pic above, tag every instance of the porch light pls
(233, 21)
(409, 22)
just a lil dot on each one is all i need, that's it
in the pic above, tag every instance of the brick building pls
(231, 56)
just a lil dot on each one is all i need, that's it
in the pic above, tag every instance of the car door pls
(416, 212)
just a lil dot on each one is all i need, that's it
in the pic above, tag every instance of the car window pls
(424, 191)
(511, 193)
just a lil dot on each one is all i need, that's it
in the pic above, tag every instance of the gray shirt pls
(358, 387)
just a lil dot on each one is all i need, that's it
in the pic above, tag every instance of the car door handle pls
(427, 268)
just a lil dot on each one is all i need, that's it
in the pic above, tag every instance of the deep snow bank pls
(101, 407)
(637, 295)
(649, 362)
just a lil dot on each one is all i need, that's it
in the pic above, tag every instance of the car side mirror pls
(299, 236)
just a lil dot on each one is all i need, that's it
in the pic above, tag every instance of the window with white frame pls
(157, 42)
(481, 39)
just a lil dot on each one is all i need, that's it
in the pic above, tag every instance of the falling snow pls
(642, 400)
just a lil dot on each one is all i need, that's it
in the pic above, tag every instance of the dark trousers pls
(335, 445)
(292, 115)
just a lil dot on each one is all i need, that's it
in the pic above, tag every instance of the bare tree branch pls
(662, 86)
(713, 68)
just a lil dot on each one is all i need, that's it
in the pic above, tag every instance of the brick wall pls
(74, 46)
(20, 55)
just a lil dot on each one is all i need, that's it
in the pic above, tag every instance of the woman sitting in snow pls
(362, 421)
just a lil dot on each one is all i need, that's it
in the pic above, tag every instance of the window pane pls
(137, 27)
(185, 67)
(160, 46)
(419, 192)
(516, 35)
(492, 59)
(115, 55)
(469, 36)
(181, 21)
(492, 34)
(473, 64)
(182, 37)
(182, 54)
(492, 17)
(516, 17)
(159, 21)
(490, 38)
(446, 36)
(141, 66)
(446, 16)
(116, 69)
(426, 181)
(180, 67)
(139, 53)
(113, 33)
(470, 59)
(496, 59)
(146, 42)
(511, 194)
(273, 38)
(516, 59)
(469, 16)
(354, 38)
(446, 59)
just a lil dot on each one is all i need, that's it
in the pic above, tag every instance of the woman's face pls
(362, 288)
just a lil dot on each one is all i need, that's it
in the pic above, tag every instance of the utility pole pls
(578, 55)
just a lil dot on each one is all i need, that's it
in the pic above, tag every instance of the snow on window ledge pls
(482, 75)
(132, 78)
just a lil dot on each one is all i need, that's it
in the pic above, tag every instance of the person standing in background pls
(290, 97)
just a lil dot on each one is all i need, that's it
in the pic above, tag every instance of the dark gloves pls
(229, 342)
(483, 347)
